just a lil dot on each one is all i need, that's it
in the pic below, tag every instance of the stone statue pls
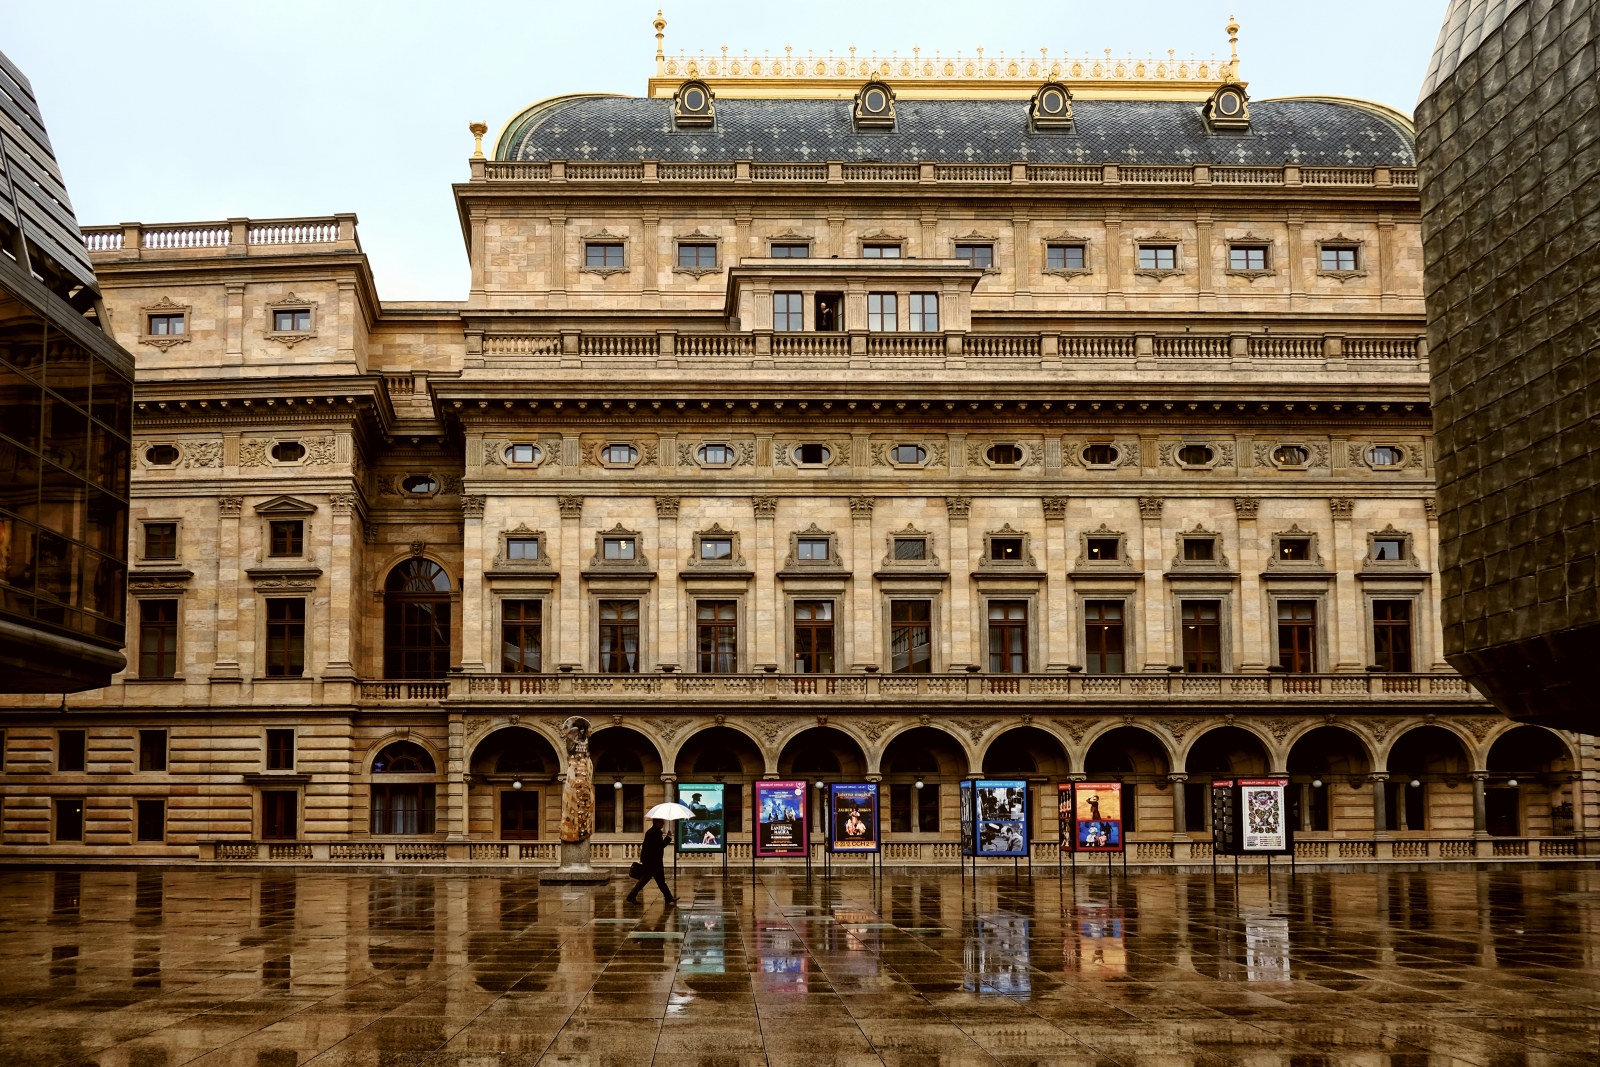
(577, 792)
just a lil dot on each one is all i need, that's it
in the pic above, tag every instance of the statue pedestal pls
(575, 868)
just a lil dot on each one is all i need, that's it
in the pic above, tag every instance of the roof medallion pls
(875, 106)
(693, 104)
(1051, 107)
(1228, 108)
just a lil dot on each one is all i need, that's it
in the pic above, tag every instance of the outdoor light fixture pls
(1316, 783)
(517, 784)
(919, 783)
(1512, 783)
(616, 785)
(820, 783)
(1416, 784)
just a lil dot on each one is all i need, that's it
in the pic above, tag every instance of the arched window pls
(416, 621)
(403, 807)
(403, 757)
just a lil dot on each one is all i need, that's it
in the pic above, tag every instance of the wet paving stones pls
(162, 968)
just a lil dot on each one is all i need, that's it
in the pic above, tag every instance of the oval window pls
(694, 100)
(716, 455)
(1052, 102)
(1228, 103)
(419, 484)
(1384, 456)
(875, 100)
(288, 451)
(161, 455)
(909, 454)
(1195, 455)
(522, 453)
(1100, 455)
(620, 454)
(1290, 456)
(1005, 455)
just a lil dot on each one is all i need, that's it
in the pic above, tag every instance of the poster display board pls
(1263, 814)
(705, 831)
(968, 844)
(781, 825)
(1096, 816)
(853, 816)
(1224, 821)
(1001, 817)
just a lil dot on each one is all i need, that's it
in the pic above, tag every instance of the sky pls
(194, 110)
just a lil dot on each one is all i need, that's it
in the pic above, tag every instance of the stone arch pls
(520, 744)
(1524, 740)
(624, 750)
(1329, 768)
(1141, 750)
(752, 764)
(961, 742)
(1439, 759)
(438, 756)
(1026, 749)
(1326, 748)
(925, 750)
(1244, 750)
(822, 749)
(1529, 788)
(675, 752)
(419, 633)
(1468, 744)
(549, 735)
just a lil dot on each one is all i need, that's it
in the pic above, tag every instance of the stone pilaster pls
(959, 624)
(226, 666)
(569, 640)
(1255, 621)
(476, 613)
(864, 606)
(1159, 649)
(341, 569)
(1347, 619)
(766, 619)
(669, 646)
(1056, 639)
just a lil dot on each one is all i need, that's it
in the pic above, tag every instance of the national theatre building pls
(900, 419)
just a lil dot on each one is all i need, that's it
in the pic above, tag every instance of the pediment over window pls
(285, 505)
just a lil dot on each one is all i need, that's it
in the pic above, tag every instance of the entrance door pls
(519, 814)
(1500, 812)
(280, 810)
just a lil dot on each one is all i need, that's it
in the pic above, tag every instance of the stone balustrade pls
(241, 237)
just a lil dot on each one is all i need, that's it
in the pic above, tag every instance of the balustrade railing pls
(337, 230)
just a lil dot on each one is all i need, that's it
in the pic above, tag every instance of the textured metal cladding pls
(1307, 132)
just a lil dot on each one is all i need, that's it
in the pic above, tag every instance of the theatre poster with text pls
(781, 827)
(853, 817)
(1097, 816)
(704, 832)
(1264, 814)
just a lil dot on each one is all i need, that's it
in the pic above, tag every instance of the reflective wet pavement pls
(161, 968)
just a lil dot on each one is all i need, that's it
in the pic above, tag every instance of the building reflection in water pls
(997, 958)
(148, 895)
(401, 906)
(277, 899)
(66, 895)
(705, 943)
(1266, 949)
(782, 955)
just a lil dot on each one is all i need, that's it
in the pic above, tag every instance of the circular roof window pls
(694, 99)
(876, 100)
(1052, 101)
(1229, 103)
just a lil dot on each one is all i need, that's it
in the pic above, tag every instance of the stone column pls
(476, 614)
(766, 618)
(1180, 815)
(226, 666)
(1380, 818)
(959, 625)
(1346, 620)
(456, 780)
(1432, 625)
(1158, 630)
(341, 584)
(1480, 811)
(863, 607)
(569, 638)
(1056, 637)
(1255, 621)
(668, 646)
(235, 323)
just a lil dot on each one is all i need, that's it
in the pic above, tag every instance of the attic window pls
(1051, 107)
(1228, 108)
(875, 106)
(692, 105)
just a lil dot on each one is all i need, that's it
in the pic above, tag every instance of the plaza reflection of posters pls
(1266, 947)
(1097, 817)
(705, 943)
(1002, 817)
(1101, 947)
(703, 832)
(968, 846)
(1263, 814)
(781, 828)
(997, 959)
(781, 954)
(853, 817)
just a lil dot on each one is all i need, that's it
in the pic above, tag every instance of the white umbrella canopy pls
(669, 811)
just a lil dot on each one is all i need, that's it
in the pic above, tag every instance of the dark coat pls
(653, 852)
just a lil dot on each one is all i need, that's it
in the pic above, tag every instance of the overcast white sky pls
(183, 110)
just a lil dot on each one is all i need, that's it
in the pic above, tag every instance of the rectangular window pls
(286, 537)
(976, 254)
(813, 549)
(71, 750)
(697, 255)
(160, 540)
(632, 807)
(280, 749)
(927, 808)
(152, 750)
(280, 811)
(1158, 257)
(69, 818)
(813, 637)
(286, 637)
(1294, 549)
(716, 548)
(158, 638)
(1388, 549)
(924, 314)
(910, 548)
(788, 312)
(883, 314)
(1103, 637)
(1339, 259)
(911, 636)
(1103, 548)
(1391, 634)
(1199, 549)
(1247, 257)
(717, 636)
(790, 250)
(733, 808)
(150, 820)
(170, 325)
(900, 807)
(1297, 636)
(1196, 806)
(605, 808)
(522, 548)
(1008, 636)
(618, 548)
(521, 627)
(291, 320)
(880, 251)
(403, 809)
(828, 317)
(619, 637)
(1064, 257)
(1005, 548)
(602, 254)
(1202, 636)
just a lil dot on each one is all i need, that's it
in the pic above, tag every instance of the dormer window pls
(692, 105)
(1228, 108)
(875, 106)
(1051, 107)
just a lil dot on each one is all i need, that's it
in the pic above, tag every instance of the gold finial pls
(478, 130)
(1233, 43)
(661, 32)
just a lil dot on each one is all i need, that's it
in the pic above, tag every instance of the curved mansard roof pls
(1321, 132)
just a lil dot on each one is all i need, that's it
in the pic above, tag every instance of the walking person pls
(652, 862)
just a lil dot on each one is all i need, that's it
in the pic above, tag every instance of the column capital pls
(669, 779)
(1378, 776)
(1177, 778)
(1480, 776)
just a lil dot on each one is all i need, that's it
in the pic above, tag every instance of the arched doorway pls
(1429, 786)
(513, 778)
(1221, 752)
(627, 778)
(1328, 769)
(821, 754)
(416, 620)
(1138, 759)
(722, 755)
(404, 790)
(1529, 790)
(922, 771)
(1037, 756)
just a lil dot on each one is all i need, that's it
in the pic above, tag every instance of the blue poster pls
(1002, 817)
